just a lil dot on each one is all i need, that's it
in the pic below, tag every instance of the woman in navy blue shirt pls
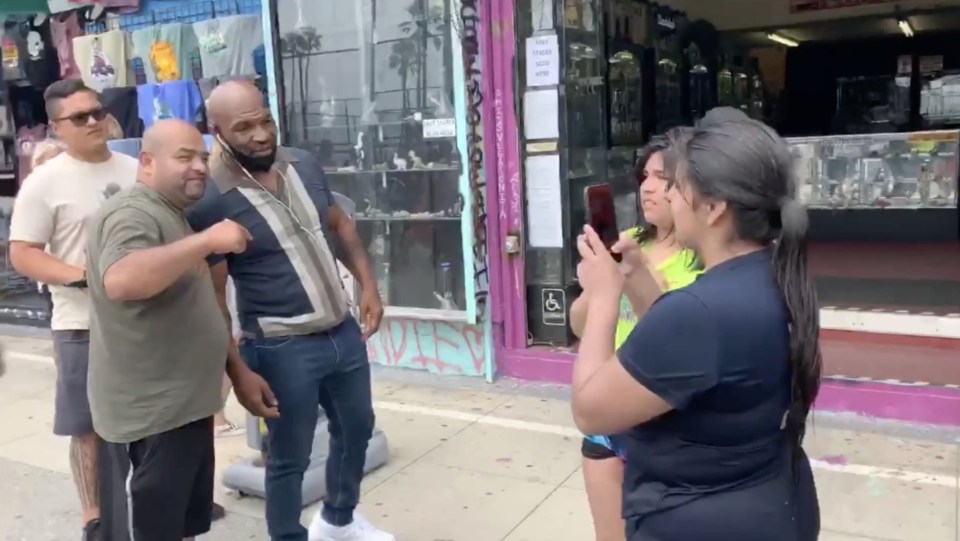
(712, 389)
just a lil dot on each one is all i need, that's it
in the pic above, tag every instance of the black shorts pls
(170, 486)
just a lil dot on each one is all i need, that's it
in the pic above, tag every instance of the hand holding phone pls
(602, 215)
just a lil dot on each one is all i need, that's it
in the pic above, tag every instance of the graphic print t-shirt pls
(122, 104)
(227, 44)
(27, 139)
(11, 44)
(102, 59)
(177, 99)
(64, 31)
(168, 52)
(39, 56)
(53, 208)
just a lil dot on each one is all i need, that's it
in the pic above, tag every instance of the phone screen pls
(602, 215)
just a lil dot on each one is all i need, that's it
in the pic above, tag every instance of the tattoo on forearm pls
(83, 465)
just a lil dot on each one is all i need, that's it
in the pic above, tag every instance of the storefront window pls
(368, 86)
(883, 219)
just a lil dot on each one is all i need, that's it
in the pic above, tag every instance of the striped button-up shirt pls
(287, 281)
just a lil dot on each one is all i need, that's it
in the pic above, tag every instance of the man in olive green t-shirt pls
(158, 344)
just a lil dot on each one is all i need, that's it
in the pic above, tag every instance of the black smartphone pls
(602, 215)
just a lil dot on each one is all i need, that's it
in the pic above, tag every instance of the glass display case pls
(878, 171)
(625, 34)
(668, 59)
(625, 96)
(699, 87)
(368, 85)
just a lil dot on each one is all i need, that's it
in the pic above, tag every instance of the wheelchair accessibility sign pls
(554, 306)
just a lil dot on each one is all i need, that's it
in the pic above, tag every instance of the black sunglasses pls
(82, 118)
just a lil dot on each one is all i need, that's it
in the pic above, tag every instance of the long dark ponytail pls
(747, 165)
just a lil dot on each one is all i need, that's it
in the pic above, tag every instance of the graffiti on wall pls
(441, 347)
(470, 40)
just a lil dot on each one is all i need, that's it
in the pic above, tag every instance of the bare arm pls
(31, 228)
(147, 272)
(136, 264)
(236, 368)
(578, 314)
(605, 398)
(353, 255)
(642, 291)
(31, 261)
(641, 286)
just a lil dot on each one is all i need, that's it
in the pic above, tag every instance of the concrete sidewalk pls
(477, 462)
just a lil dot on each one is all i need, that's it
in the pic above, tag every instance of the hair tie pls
(793, 217)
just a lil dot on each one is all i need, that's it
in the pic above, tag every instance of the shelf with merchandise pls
(374, 101)
(410, 226)
(884, 171)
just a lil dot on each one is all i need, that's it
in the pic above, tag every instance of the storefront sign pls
(439, 128)
(800, 6)
(543, 61)
(554, 307)
(541, 114)
(544, 201)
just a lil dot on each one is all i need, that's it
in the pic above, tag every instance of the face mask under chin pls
(254, 164)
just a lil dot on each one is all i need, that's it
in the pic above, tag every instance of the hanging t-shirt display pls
(227, 44)
(176, 99)
(11, 43)
(121, 6)
(27, 106)
(64, 29)
(102, 59)
(39, 56)
(168, 52)
(62, 6)
(122, 105)
(27, 138)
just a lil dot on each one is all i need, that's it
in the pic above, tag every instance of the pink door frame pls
(504, 202)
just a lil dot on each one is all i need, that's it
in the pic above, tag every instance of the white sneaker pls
(358, 530)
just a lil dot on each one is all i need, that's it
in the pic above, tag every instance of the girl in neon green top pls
(675, 271)
(673, 267)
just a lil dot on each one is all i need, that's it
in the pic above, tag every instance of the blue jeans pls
(330, 370)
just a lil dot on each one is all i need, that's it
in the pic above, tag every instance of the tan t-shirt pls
(53, 207)
(102, 59)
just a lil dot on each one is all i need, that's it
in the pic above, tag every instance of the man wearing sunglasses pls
(48, 237)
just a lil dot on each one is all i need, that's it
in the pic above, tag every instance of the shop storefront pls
(149, 59)
(591, 82)
(871, 121)
(380, 92)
